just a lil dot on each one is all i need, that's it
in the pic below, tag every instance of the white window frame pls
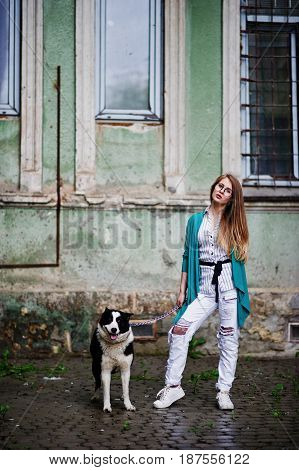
(155, 111)
(31, 180)
(264, 179)
(12, 107)
(174, 98)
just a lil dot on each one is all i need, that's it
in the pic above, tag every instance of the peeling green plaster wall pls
(131, 250)
(203, 93)
(274, 253)
(9, 154)
(59, 49)
(129, 156)
(27, 236)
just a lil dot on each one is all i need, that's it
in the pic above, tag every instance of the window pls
(10, 57)
(269, 91)
(129, 72)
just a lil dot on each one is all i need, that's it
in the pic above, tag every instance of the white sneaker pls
(224, 401)
(168, 395)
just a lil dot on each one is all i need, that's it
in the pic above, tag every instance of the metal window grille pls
(10, 57)
(129, 59)
(269, 96)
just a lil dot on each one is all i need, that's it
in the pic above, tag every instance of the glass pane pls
(271, 142)
(282, 93)
(127, 54)
(261, 118)
(4, 50)
(270, 7)
(272, 165)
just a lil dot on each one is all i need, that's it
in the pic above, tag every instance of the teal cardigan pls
(191, 266)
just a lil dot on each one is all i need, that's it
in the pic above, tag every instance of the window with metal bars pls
(9, 57)
(269, 92)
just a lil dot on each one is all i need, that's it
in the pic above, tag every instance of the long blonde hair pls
(233, 230)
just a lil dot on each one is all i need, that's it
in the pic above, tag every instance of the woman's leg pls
(178, 338)
(228, 341)
(181, 334)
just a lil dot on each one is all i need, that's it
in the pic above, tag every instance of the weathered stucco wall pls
(140, 247)
(59, 50)
(129, 156)
(204, 87)
(129, 260)
(9, 154)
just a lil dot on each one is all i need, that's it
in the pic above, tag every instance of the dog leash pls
(153, 320)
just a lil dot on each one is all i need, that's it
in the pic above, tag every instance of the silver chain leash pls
(153, 320)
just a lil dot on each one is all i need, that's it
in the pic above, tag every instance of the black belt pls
(217, 272)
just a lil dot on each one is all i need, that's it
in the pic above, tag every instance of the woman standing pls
(213, 276)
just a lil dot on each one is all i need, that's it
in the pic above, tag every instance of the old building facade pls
(116, 117)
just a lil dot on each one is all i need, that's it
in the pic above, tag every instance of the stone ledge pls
(164, 201)
(37, 322)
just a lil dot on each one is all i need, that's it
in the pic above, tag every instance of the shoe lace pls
(163, 392)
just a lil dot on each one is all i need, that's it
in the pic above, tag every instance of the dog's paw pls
(107, 408)
(130, 407)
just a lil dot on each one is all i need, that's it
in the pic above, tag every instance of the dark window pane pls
(270, 7)
(267, 142)
(278, 167)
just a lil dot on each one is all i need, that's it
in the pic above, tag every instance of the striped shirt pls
(212, 252)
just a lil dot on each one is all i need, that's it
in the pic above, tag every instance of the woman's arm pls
(184, 276)
(183, 289)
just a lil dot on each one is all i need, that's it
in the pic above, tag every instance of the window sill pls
(115, 122)
(270, 194)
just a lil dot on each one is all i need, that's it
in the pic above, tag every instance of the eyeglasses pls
(227, 191)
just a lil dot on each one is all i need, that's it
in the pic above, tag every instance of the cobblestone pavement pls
(58, 414)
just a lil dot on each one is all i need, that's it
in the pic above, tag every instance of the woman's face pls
(223, 192)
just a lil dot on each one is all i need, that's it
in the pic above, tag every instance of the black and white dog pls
(112, 347)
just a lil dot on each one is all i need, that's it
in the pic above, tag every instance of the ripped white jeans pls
(228, 337)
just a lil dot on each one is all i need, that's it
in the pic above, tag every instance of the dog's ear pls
(128, 314)
(101, 315)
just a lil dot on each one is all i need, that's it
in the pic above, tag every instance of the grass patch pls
(209, 374)
(277, 391)
(201, 428)
(20, 371)
(277, 395)
(126, 425)
(193, 350)
(295, 382)
(54, 371)
(144, 376)
(7, 368)
(3, 410)
(276, 412)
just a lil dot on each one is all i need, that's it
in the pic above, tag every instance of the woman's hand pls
(181, 299)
